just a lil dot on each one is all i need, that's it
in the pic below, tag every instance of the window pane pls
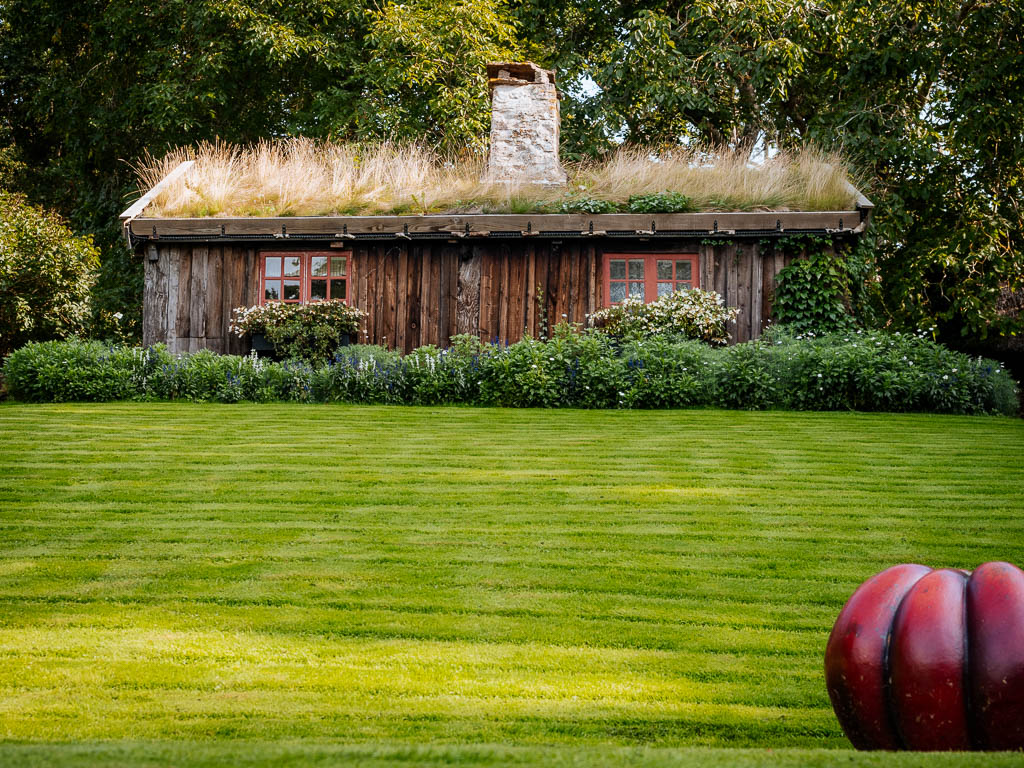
(291, 266)
(273, 267)
(664, 270)
(291, 290)
(317, 290)
(636, 290)
(339, 265)
(684, 270)
(664, 289)
(338, 289)
(636, 269)
(318, 266)
(618, 290)
(684, 286)
(617, 269)
(272, 290)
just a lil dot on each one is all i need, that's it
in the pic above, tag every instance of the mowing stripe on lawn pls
(461, 576)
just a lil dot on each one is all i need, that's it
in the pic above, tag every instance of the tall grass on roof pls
(304, 177)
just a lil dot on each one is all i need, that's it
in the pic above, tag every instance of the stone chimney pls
(524, 125)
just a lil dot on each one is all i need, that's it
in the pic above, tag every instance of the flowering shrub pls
(311, 332)
(207, 376)
(691, 314)
(859, 370)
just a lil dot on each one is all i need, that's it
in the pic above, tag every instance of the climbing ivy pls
(813, 293)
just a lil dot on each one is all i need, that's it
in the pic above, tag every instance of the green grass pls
(279, 585)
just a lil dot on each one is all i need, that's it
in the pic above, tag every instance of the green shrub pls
(517, 376)
(209, 377)
(361, 374)
(661, 202)
(75, 371)
(452, 375)
(690, 314)
(46, 272)
(661, 373)
(311, 332)
(857, 370)
(879, 371)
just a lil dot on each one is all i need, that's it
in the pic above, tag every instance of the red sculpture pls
(931, 660)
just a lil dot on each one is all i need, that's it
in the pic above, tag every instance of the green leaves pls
(426, 80)
(45, 276)
(811, 295)
(917, 94)
(661, 202)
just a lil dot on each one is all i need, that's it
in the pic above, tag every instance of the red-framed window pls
(646, 276)
(298, 277)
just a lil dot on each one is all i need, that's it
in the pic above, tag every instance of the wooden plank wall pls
(744, 275)
(424, 292)
(190, 291)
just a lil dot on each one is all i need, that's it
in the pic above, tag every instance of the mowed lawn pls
(289, 585)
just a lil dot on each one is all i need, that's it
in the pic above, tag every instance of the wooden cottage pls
(424, 278)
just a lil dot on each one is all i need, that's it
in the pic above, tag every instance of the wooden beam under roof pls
(461, 225)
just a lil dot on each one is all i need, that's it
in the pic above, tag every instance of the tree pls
(427, 80)
(922, 97)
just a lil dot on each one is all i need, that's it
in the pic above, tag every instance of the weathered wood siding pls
(424, 292)
(190, 291)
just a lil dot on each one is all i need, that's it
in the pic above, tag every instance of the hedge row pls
(870, 371)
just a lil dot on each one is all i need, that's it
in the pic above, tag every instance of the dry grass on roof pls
(302, 177)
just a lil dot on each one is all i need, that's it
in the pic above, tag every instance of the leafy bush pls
(811, 295)
(311, 332)
(206, 376)
(72, 371)
(46, 272)
(691, 314)
(879, 371)
(859, 370)
(661, 202)
(661, 373)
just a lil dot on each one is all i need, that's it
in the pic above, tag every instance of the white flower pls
(118, 315)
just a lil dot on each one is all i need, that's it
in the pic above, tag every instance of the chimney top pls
(517, 73)
(524, 124)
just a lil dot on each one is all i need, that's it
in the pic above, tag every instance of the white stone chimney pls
(524, 125)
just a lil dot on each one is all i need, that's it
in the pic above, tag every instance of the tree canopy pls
(922, 96)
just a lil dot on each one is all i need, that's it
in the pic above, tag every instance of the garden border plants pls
(849, 370)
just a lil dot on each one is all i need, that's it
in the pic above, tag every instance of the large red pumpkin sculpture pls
(931, 660)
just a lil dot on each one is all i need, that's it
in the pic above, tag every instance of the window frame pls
(650, 278)
(306, 276)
